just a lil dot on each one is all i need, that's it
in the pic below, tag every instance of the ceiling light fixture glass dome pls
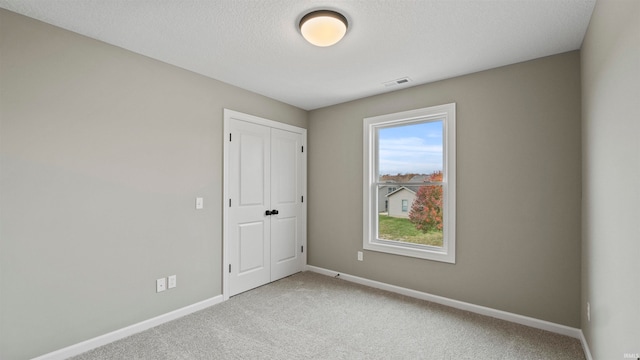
(323, 27)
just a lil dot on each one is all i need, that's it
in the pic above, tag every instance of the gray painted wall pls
(518, 190)
(102, 154)
(103, 151)
(611, 175)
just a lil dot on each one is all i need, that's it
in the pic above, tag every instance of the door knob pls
(267, 213)
(274, 212)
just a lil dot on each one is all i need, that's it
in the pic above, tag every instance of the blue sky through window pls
(415, 148)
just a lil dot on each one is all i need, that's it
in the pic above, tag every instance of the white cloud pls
(409, 155)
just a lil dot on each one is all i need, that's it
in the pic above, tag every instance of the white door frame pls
(231, 114)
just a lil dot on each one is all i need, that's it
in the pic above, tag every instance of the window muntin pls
(415, 150)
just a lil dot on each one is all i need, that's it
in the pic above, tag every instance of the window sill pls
(416, 251)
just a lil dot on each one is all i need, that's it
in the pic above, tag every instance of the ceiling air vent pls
(396, 82)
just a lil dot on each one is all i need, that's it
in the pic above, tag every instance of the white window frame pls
(447, 114)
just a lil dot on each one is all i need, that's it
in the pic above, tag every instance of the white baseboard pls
(585, 346)
(499, 314)
(101, 340)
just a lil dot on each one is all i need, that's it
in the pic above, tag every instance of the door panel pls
(252, 247)
(285, 231)
(286, 191)
(252, 168)
(284, 152)
(249, 228)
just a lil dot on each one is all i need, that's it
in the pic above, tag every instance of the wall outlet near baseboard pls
(588, 312)
(161, 285)
(360, 256)
(173, 281)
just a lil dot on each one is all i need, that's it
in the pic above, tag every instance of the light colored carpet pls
(312, 316)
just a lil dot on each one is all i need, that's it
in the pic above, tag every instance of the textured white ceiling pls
(256, 45)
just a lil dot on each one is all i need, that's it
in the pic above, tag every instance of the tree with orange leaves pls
(426, 210)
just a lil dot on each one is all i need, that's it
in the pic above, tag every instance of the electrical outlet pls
(588, 312)
(199, 203)
(360, 256)
(173, 281)
(161, 285)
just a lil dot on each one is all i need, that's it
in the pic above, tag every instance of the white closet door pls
(249, 228)
(286, 199)
(265, 226)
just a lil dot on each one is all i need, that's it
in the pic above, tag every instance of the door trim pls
(232, 114)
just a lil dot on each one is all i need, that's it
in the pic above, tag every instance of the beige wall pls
(611, 177)
(518, 190)
(395, 203)
(103, 153)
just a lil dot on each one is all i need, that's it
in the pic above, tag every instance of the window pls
(415, 150)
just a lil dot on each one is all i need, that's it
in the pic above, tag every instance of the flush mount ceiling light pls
(323, 27)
